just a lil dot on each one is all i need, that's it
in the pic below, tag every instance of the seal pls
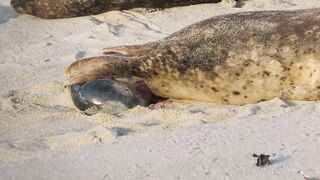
(52, 9)
(230, 59)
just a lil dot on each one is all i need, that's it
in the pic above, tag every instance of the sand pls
(42, 136)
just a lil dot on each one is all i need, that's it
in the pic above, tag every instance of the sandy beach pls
(42, 135)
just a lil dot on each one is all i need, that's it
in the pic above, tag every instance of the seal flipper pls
(102, 67)
(128, 50)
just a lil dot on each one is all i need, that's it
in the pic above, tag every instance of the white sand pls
(43, 137)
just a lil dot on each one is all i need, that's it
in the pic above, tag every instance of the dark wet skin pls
(53, 9)
(110, 96)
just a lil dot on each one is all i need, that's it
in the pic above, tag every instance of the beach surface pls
(42, 135)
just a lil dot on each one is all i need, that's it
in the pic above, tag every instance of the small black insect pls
(262, 160)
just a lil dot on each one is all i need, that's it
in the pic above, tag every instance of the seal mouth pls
(111, 97)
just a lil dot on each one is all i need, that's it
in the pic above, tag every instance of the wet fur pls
(51, 9)
(232, 59)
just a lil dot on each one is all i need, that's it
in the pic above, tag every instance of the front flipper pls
(102, 67)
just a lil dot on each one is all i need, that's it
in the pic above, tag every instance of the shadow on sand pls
(6, 13)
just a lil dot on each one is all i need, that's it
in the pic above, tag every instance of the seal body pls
(231, 59)
(51, 9)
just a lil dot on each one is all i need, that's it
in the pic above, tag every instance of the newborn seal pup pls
(52, 9)
(231, 59)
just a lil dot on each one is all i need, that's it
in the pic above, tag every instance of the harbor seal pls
(235, 59)
(52, 9)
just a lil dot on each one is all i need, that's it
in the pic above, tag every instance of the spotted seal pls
(51, 9)
(237, 59)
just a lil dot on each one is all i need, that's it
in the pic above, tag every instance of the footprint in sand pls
(97, 134)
